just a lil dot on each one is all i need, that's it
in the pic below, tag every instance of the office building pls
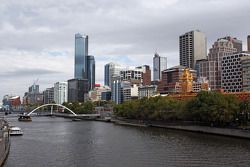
(237, 44)
(111, 70)
(81, 53)
(97, 92)
(147, 91)
(77, 90)
(245, 65)
(116, 90)
(222, 47)
(159, 64)
(60, 92)
(193, 47)
(48, 96)
(91, 71)
(133, 75)
(146, 74)
(231, 79)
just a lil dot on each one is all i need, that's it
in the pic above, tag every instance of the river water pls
(59, 142)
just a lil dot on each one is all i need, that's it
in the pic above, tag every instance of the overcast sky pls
(37, 36)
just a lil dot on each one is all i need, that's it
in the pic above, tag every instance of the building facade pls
(91, 71)
(231, 79)
(222, 47)
(116, 90)
(245, 65)
(60, 92)
(159, 64)
(147, 91)
(192, 47)
(77, 90)
(146, 74)
(81, 52)
(133, 75)
(48, 96)
(111, 70)
(171, 78)
(237, 44)
(97, 92)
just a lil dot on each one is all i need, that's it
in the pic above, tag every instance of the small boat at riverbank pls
(25, 118)
(15, 131)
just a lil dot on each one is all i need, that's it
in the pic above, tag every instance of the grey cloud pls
(19, 73)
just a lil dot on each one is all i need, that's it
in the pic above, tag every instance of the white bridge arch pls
(52, 109)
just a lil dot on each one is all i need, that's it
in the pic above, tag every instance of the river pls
(59, 142)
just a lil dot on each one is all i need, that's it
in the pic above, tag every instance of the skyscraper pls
(60, 92)
(81, 52)
(159, 64)
(193, 46)
(237, 44)
(111, 70)
(91, 71)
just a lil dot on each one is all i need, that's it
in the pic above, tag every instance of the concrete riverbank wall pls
(4, 142)
(238, 133)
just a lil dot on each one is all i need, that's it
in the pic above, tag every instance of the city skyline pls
(35, 45)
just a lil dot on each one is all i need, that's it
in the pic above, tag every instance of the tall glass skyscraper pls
(81, 52)
(91, 71)
(159, 64)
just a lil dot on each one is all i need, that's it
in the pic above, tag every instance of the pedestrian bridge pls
(73, 114)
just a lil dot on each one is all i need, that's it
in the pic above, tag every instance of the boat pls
(25, 118)
(15, 131)
(107, 119)
(76, 119)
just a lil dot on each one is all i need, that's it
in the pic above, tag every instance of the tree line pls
(208, 107)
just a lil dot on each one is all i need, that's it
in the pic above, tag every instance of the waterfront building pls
(78, 90)
(147, 91)
(60, 92)
(81, 53)
(116, 90)
(245, 66)
(111, 70)
(146, 74)
(231, 79)
(48, 96)
(193, 47)
(159, 64)
(171, 77)
(91, 71)
(97, 92)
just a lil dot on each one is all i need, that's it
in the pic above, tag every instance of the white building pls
(60, 92)
(111, 70)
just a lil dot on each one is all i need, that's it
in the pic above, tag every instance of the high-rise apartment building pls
(193, 47)
(231, 78)
(77, 90)
(48, 96)
(60, 92)
(91, 71)
(159, 64)
(222, 47)
(111, 70)
(146, 74)
(81, 53)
